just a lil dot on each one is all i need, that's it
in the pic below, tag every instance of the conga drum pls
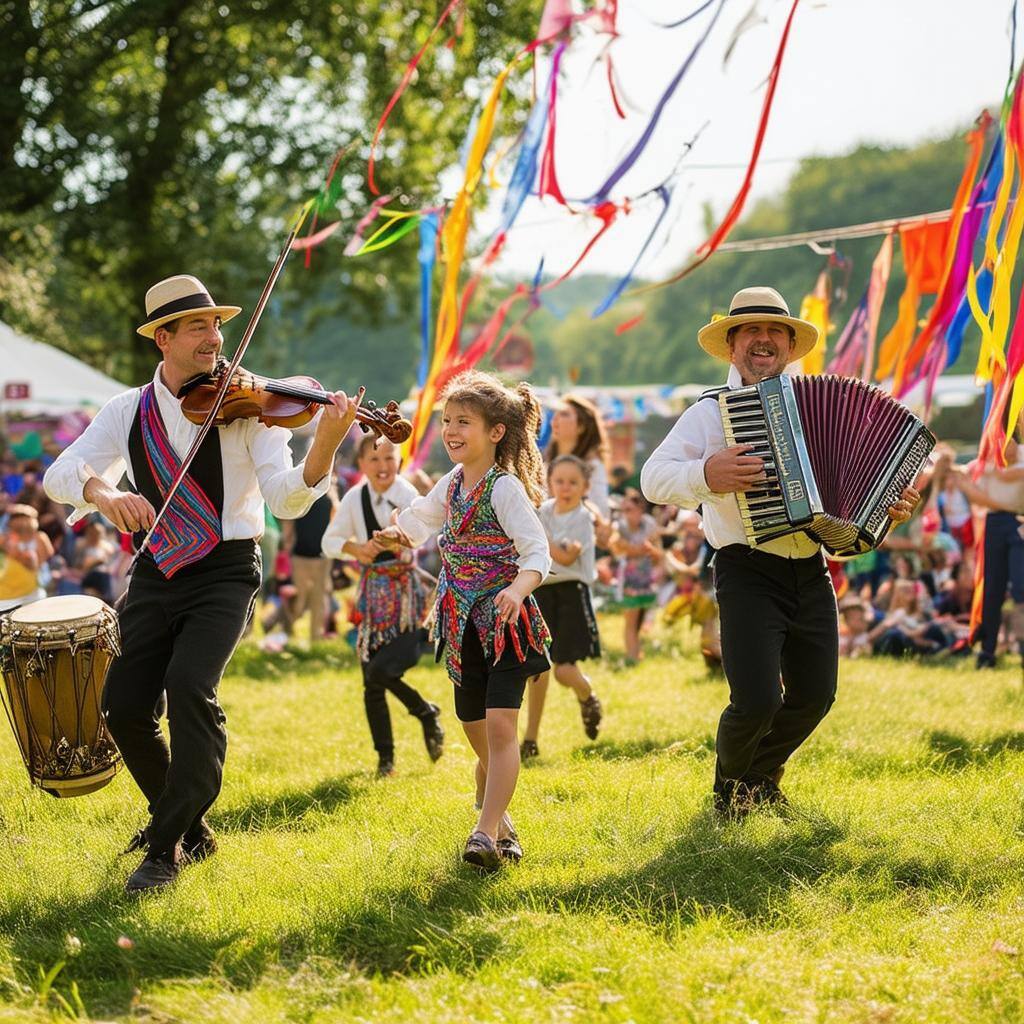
(54, 657)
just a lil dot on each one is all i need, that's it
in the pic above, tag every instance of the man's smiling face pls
(761, 349)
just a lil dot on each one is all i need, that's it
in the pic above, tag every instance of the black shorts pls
(570, 617)
(485, 685)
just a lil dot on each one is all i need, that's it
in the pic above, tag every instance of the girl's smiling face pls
(467, 437)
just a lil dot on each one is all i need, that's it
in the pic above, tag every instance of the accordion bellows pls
(838, 453)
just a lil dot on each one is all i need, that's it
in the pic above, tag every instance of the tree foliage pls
(145, 138)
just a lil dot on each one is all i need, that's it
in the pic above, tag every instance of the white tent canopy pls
(37, 378)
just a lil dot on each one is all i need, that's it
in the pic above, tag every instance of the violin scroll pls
(387, 422)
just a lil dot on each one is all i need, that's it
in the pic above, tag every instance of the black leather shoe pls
(199, 843)
(590, 711)
(528, 750)
(481, 852)
(156, 872)
(433, 734)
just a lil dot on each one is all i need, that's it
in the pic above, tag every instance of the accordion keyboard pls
(768, 512)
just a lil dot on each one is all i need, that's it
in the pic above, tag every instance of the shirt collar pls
(734, 380)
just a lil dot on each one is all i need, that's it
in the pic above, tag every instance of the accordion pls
(837, 453)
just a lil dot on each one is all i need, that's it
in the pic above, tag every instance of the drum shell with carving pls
(54, 658)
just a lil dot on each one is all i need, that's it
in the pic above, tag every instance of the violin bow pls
(225, 381)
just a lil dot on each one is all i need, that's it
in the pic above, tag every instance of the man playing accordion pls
(778, 610)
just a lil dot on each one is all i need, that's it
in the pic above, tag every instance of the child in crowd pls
(564, 597)
(27, 549)
(389, 602)
(494, 554)
(636, 542)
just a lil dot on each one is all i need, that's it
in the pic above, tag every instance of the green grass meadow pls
(892, 890)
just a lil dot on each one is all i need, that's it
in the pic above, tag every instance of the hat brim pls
(713, 340)
(148, 329)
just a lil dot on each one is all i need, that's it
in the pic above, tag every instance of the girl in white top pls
(564, 597)
(494, 554)
(578, 429)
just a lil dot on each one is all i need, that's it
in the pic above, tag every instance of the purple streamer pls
(601, 195)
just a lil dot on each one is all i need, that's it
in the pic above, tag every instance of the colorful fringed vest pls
(390, 598)
(191, 528)
(478, 560)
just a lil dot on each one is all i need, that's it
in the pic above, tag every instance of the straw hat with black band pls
(756, 305)
(177, 296)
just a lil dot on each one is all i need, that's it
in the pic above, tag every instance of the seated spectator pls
(27, 550)
(856, 620)
(906, 627)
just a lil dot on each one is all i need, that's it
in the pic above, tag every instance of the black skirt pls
(570, 617)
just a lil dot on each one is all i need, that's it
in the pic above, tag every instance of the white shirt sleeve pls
(281, 483)
(97, 452)
(519, 519)
(599, 487)
(674, 473)
(343, 525)
(425, 516)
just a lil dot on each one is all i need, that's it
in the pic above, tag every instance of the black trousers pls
(177, 637)
(382, 675)
(778, 618)
(1004, 568)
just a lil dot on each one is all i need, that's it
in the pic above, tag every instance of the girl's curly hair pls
(518, 411)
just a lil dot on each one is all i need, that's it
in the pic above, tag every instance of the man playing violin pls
(194, 587)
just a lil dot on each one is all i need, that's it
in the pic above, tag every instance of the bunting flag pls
(965, 219)
(924, 246)
(814, 309)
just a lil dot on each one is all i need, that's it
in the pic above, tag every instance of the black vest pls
(371, 524)
(207, 470)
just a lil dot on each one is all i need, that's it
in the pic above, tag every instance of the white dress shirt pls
(256, 459)
(348, 522)
(674, 475)
(516, 516)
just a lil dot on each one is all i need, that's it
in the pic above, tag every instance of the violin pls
(289, 402)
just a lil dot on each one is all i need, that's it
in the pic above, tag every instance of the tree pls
(153, 137)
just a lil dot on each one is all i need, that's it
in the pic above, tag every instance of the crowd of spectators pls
(911, 597)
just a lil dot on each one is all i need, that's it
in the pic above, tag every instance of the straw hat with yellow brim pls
(756, 305)
(175, 297)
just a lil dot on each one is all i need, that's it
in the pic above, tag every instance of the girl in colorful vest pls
(494, 553)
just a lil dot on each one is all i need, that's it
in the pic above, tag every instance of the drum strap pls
(191, 529)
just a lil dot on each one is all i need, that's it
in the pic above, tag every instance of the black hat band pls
(189, 302)
(776, 310)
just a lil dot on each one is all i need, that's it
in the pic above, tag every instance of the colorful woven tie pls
(190, 529)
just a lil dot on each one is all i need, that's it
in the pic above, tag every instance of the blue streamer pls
(613, 296)
(427, 251)
(525, 172)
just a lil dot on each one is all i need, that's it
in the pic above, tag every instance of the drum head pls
(58, 609)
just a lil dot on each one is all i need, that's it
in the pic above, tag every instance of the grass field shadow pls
(286, 810)
(954, 752)
(710, 866)
(632, 750)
